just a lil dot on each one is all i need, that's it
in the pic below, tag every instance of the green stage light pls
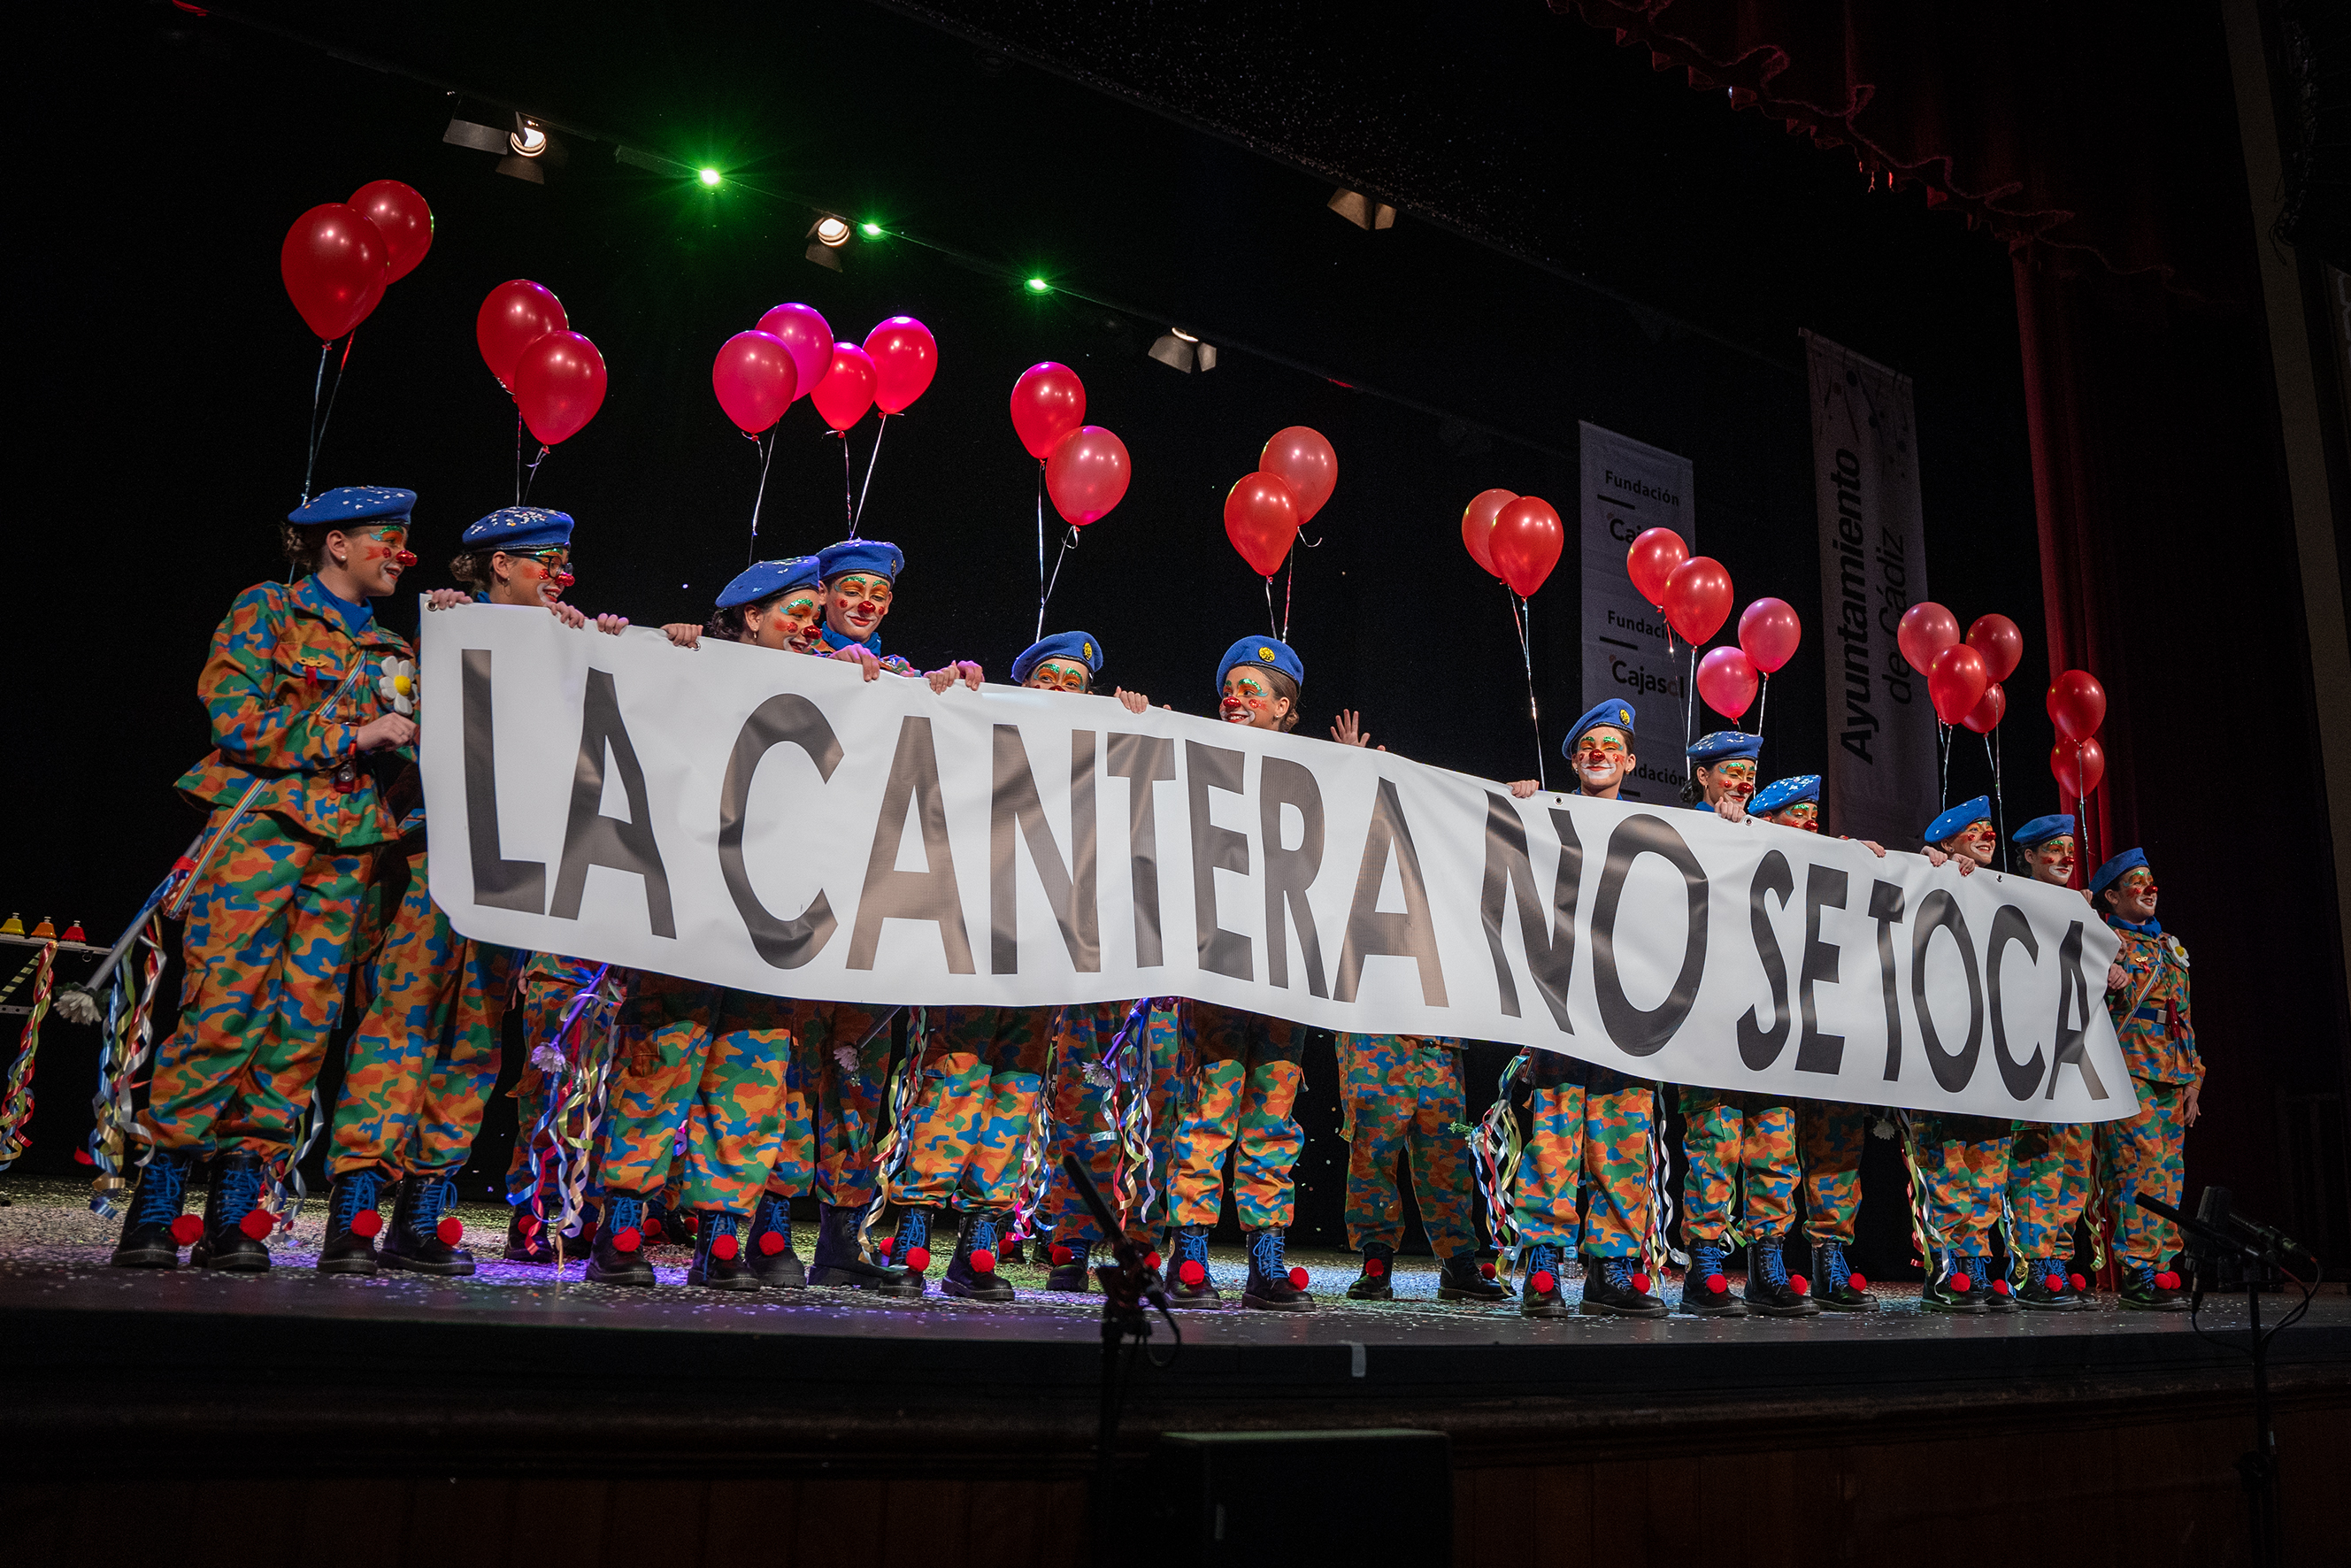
(1039, 286)
(870, 231)
(711, 177)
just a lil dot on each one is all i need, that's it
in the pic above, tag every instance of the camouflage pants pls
(1248, 1079)
(2145, 1155)
(841, 1057)
(268, 948)
(549, 982)
(1963, 1163)
(1590, 1123)
(1080, 1120)
(425, 1057)
(1831, 1135)
(706, 1061)
(982, 1072)
(1401, 1097)
(2048, 1188)
(1740, 1146)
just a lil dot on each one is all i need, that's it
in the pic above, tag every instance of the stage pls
(598, 1416)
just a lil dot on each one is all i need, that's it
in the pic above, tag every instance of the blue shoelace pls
(986, 1233)
(775, 1214)
(434, 1199)
(913, 1230)
(240, 1194)
(1775, 1265)
(361, 1189)
(162, 1191)
(1265, 1252)
(1707, 1258)
(625, 1214)
(1832, 1257)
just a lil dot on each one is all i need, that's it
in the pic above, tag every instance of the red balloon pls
(1955, 681)
(1698, 598)
(2001, 643)
(333, 263)
(1926, 630)
(399, 215)
(755, 380)
(1990, 709)
(1769, 632)
(2077, 766)
(1087, 475)
(2077, 705)
(1525, 544)
(1652, 559)
(558, 383)
(906, 357)
(1478, 524)
(1726, 680)
(1048, 403)
(1262, 519)
(515, 316)
(847, 390)
(808, 337)
(1302, 460)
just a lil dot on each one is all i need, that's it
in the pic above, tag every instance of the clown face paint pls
(855, 603)
(2052, 860)
(1804, 814)
(1249, 698)
(1059, 675)
(535, 577)
(1733, 781)
(1976, 841)
(788, 623)
(1602, 758)
(376, 556)
(2133, 896)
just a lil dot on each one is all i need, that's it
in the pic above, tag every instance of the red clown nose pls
(403, 558)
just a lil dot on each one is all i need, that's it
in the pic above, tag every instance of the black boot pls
(1542, 1296)
(618, 1257)
(1190, 1286)
(2147, 1289)
(667, 1227)
(907, 1250)
(1769, 1289)
(235, 1221)
(1467, 1278)
(971, 1272)
(772, 1257)
(424, 1233)
(528, 1240)
(353, 1222)
(1010, 1249)
(2045, 1288)
(1071, 1270)
(1950, 1288)
(1374, 1283)
(840, 1258)
(1706, 1287)
(1835, 1286)
(1273, 1285)
(718, 1261)
(153, 1229)
(1993, 1293)
(1618, 1287)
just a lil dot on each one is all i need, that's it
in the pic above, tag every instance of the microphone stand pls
(1127, 1284)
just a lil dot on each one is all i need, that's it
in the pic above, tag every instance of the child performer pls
(2048, 1164)
(1962, 1160)
(295, 688)
(2159, 1039)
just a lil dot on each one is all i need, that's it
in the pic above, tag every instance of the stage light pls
(870, 231)
(1181, 351)
(829, 238)
(832, 232)
(711, 177)
(528, 138)
(1361, 210)
(1039, 286)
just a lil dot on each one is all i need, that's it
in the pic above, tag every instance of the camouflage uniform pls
(1963, 1163)
(1590, 1123)
(1831, 1135)
(269, 939)
(841, 1057)
(548, 983)
(2048, 1188)
(1402, 1095)
(1248, 1079)
(982, 1072)
(1081, 1124)
(705, 1059)
(2144, 1154)
(1737, 1144)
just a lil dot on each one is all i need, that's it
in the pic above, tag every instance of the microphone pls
(2212, 1214)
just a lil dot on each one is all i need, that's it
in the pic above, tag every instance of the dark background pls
(1645, 260)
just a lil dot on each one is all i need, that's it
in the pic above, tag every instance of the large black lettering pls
(1371, 933)
(2021, 1078)
(591, 838)
(1760, 1047)
(1643, 1031)
(1550, 941)
(1938, 911)
(2072, 1047)
(1214, 848)
(1290, 872)
(930, 894)
(782, 720)
(1825, 888)
(1015, 812)
(1144, 761)
(498, 882)
(1886, 907)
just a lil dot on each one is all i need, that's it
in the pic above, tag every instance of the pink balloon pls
(399, 216)
(2076, 703)
(1087, 475)
(1955, 681)
(755, 379)
(847, 390)
(1048, 403)
(1477, 526)
(1262, 519)
(1304, 461)
(558, 383)
(1726, 680)
(1996, 637)
(1926, 630)
(906, 357)
(513, 316)
(805, 332)
(333, 262)
(1525, 543)
(1768, 630)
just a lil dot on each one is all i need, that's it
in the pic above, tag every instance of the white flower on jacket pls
(398, 684)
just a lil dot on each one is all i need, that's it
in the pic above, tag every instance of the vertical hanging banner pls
(1880, 772)
(1630, 487)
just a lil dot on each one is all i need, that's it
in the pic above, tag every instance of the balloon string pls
(1689, 699)
(1761, 703)
(535, 462)
(318, 421)
(1043, 590)
(873, 457)
(1999, 806)
(1288, 581)
(1943, 767)
(1523, 615)
(517, 500)
(766, 450)
(848, 484)
(1067, 544)
(1271, 624)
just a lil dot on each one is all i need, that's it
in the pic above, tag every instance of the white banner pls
(1629, 488)
(769, 822)
(1879, 781)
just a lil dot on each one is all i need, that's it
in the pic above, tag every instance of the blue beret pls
(1613, 714)
(2040, 830)
(1725, 745)
(1782, 793)
(1078, 645)
(357, 504)
(519, 528)
(862, 554)
(1951, 821)
(2110, 873)
(766, 579)
(1266, 653)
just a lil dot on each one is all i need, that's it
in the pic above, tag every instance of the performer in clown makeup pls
(2048, 1163)
(2159, 1039)
(1722, 772)
(861, 582)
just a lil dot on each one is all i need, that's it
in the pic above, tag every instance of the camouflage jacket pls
(2150, 1012)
